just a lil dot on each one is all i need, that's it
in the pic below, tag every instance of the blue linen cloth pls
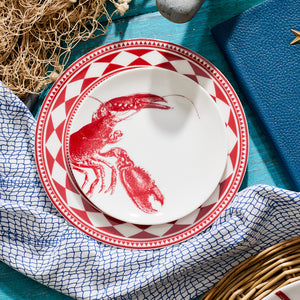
(38, 242)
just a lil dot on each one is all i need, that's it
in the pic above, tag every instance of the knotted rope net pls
(36, 37)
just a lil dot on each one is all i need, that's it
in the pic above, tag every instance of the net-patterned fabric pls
(38, 242)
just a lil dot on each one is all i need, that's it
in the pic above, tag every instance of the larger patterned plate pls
(52, 136)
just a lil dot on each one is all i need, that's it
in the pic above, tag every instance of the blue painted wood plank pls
(14, 285)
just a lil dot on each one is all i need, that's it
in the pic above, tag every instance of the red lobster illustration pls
(86, 145)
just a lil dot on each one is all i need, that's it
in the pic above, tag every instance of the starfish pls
(297, 39)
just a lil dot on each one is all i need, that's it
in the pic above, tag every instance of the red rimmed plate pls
(51, 138)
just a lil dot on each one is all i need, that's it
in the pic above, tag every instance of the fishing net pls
(36, 37)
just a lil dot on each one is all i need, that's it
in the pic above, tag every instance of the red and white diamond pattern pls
(81, 76)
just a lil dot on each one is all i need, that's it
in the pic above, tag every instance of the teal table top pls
(144, 21)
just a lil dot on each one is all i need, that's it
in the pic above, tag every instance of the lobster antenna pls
(186, 98)
(96, 99)
(95, 114)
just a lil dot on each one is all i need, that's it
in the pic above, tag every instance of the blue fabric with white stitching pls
(37, 241)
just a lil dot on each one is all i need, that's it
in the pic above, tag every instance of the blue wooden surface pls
(143, 21)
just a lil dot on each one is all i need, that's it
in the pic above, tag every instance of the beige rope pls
(37, 36)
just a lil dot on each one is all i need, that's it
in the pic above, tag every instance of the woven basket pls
(259, 275)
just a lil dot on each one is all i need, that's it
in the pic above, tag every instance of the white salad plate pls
(141, 143)
(169, 154)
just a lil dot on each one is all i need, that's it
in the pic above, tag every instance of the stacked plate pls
(141, 143)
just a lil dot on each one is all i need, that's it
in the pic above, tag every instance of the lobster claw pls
(151, 101)
(136, 102)
(142, 189)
